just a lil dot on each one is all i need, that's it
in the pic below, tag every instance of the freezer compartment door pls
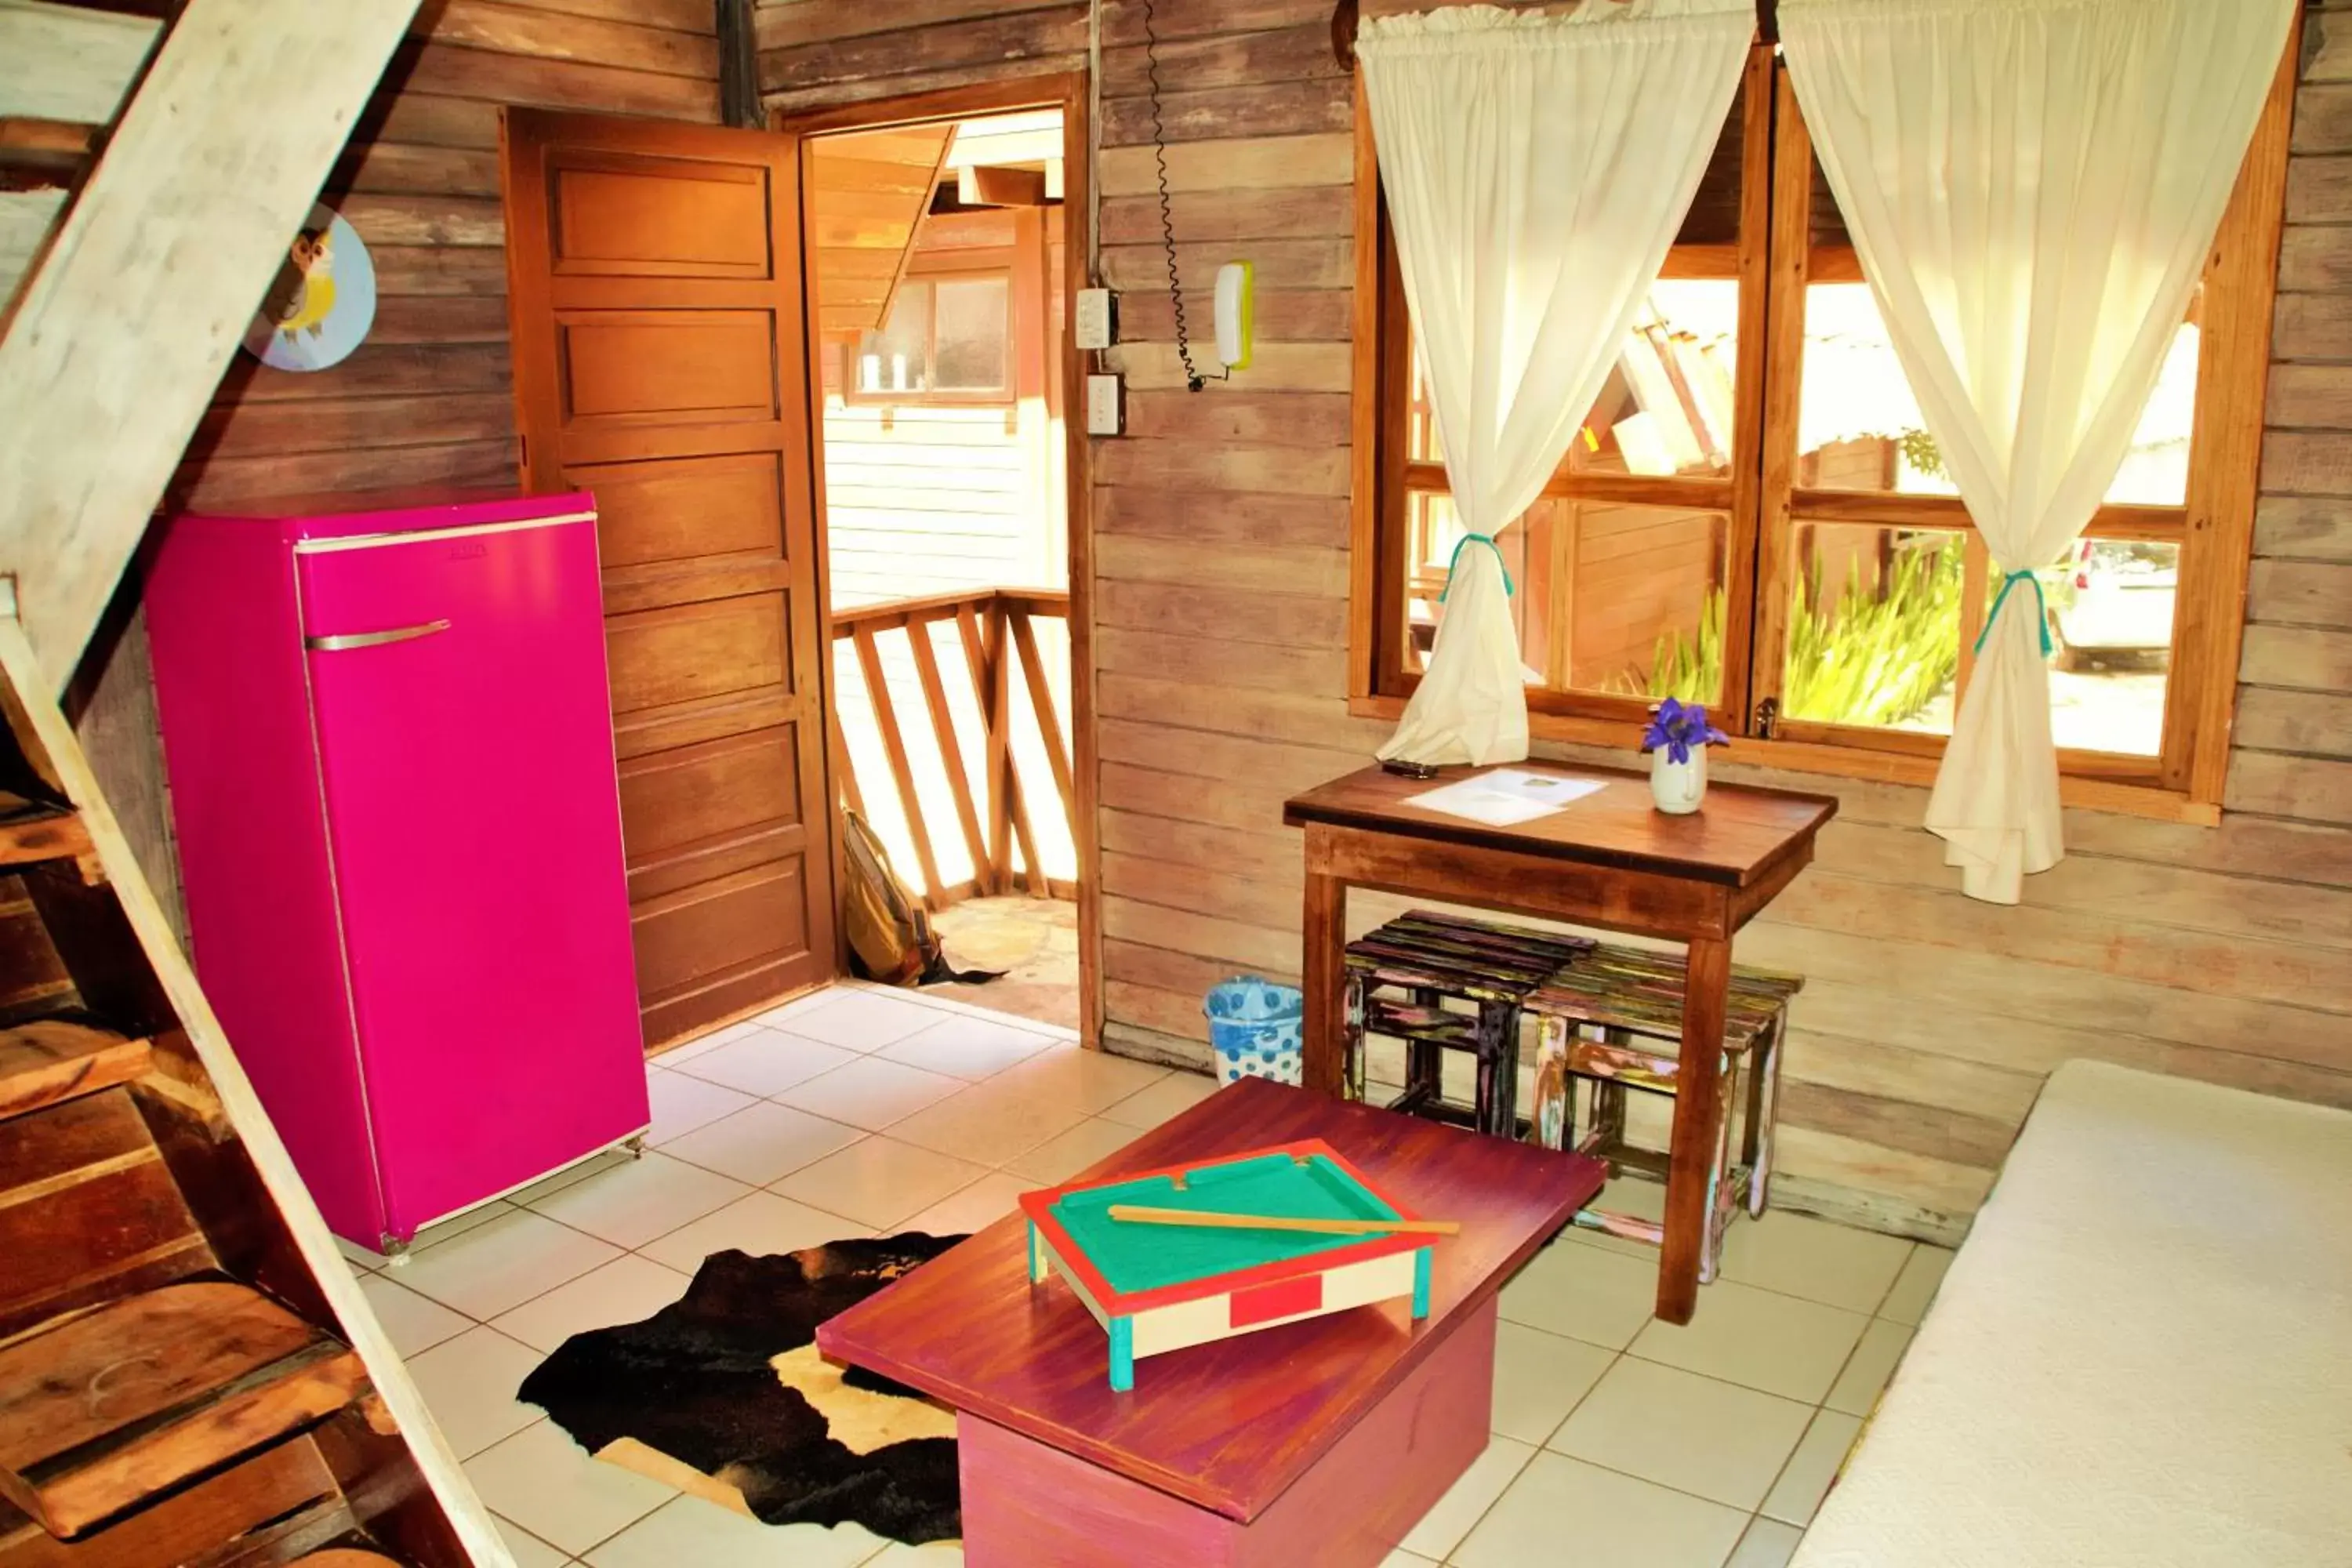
(464, 738)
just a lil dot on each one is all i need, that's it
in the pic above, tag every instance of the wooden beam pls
(67, 63)
(935, 699)
(1049, 723)
(2227, 458)
(60, 144)
(738, 67)
(120, 338)
(987, 186)
(1035, 144)
(902, 775)
(845, 772)
(997, 759)
(996, 701)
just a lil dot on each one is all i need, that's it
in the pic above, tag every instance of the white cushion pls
(2142, 1358)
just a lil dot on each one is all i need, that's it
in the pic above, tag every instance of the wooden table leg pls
(1324, 933)
(1698, 1120)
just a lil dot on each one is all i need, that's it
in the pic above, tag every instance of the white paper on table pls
(1505, 797)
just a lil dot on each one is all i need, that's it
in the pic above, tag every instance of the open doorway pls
(940, 276)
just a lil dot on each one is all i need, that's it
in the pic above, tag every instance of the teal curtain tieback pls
(1488, 541)
(2041, 603)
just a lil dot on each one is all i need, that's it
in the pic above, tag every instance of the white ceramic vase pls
(1678, 787)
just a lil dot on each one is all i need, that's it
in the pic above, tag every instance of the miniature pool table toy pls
(1158, 1287)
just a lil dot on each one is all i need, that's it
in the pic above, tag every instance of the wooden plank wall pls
(427, 399)
(925, 500)
(2220, 953)
(1636, 576)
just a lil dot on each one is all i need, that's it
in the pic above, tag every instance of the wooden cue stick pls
(1135, 1214)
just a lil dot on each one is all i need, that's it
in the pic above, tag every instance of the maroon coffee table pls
(1318, 1442)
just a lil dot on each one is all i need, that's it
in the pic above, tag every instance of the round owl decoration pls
(321, 302)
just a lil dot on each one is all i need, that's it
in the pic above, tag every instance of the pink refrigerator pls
(390, 747)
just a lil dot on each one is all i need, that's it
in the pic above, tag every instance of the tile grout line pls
(1570, 1233)
(1542, 1448)
(638, 1250)
(478, 1322)
(964, 1083)
(1626, 1353)
(939, 1004)
(1817, 1410)
(1465, 1539)
(1085, 1115)
(1539, 1448)
(1624, 1356)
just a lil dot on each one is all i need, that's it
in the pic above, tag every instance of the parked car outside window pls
(2114, 598)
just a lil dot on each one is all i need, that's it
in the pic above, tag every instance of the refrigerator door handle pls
(338, 642)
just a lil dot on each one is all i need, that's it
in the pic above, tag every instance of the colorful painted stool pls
(1612, 1020)
(1399, 978)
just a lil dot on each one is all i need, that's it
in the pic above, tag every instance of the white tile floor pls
(858, 1110)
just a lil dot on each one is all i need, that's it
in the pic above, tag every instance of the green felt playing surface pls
(1136, 1258)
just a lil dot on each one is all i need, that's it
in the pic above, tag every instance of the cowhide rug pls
(722, 1393)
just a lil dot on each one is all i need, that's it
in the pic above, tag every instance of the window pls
(1753, 514)
(948, 340)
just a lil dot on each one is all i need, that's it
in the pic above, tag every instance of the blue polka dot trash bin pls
(1254, 1029)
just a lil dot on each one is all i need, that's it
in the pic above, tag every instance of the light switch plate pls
(1102, 405)
(1095, 325)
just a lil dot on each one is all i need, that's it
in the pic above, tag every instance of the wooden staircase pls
(188, 1374)
(55, 112)
(151, 174)
(109, 1408)
(51, 1060)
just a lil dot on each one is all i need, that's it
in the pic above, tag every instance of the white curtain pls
(1537, 169)
(2034, 187)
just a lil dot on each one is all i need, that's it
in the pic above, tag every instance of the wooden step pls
(60, 149)
(31, 830)
(50, 1061)
(104, 1411)
(284, 1487)
(90, 1213)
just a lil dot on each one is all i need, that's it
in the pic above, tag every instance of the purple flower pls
(1678, 728)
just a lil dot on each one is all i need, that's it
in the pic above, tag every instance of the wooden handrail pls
(1051, 603)
(994, 631)
(891, 615)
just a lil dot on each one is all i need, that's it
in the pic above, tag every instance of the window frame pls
(931, 274)
(1775, 260)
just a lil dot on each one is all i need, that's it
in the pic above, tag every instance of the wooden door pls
(660, 362)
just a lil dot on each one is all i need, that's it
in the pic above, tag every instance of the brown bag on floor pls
(890, 937)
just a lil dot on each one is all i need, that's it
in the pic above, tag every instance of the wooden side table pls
(1611, 859)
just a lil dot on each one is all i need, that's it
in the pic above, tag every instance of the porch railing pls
(994, 808)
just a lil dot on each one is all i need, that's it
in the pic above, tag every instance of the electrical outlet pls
(1097, 325)
(1102, 405)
